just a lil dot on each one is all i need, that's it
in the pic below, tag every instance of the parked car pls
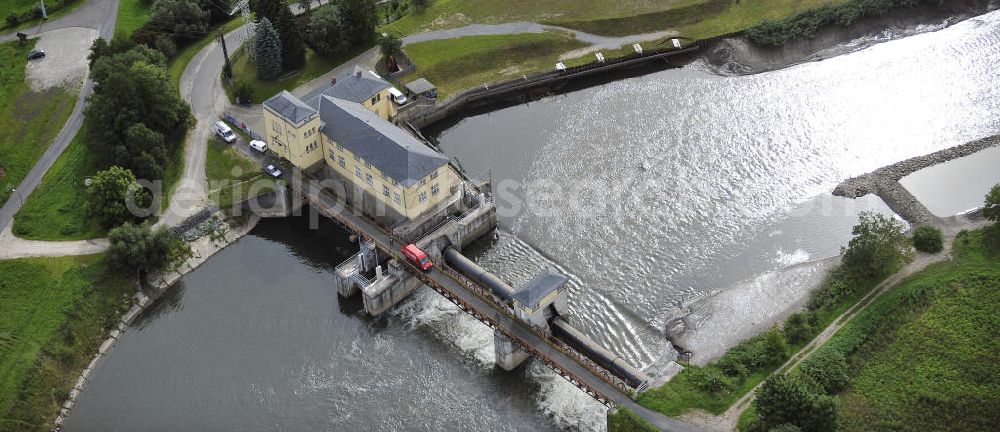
(224, 132)
(258, 145)
(397, 96)
(417, 257)
(36, 54)
(273, 171)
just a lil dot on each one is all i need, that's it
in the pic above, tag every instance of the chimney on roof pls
(359, 73)
(333, 81)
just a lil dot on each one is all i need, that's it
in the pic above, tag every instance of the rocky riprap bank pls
(884, 182)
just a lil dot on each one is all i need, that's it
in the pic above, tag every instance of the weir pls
(522, 319)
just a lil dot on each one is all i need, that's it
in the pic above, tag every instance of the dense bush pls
(805, 24)
(787, 399)
(293, 48)
(268, 49)
(325, 32)
(798, 327)
(828, 369)
(15, 17)
(110, 195)
(757, 353)
(928, 239)
(139, 249)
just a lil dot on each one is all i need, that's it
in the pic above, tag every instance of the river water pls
(678, 194)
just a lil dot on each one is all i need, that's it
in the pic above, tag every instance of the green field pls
(30, 120)
(132, 14)
(53, 315)
(457, 64)
(925, 356)
(693, 18)
(57, 210)
(316, 65)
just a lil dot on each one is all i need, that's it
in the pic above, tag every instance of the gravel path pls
(94, 14)
(12, 247)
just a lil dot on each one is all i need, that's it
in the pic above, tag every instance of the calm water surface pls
(665, 195)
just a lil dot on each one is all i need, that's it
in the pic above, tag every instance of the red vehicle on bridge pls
(417, 257)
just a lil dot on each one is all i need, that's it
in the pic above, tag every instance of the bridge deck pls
(543, 348)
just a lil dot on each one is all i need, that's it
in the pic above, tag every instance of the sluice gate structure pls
(527, 321)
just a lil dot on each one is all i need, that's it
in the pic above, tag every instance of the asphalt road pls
(99, 15)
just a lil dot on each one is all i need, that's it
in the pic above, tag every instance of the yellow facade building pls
(401, 177)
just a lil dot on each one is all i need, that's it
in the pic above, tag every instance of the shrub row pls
(805, 24)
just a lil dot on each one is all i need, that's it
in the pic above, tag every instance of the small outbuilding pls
(421, 87)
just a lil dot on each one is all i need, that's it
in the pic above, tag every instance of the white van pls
(397, 96)
(224, 132)
(258, 145)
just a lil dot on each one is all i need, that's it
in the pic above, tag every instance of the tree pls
(133, 88)
(268, 49)
(138, 248)
(326, 31)
(878, 248)
(293, 49)
(390, 46)
(359, 21)
(184, 20)
(991, 205)
(109, 194)
(928, 239)
(787, 400)
(420, 5)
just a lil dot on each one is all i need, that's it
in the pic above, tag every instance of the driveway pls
(94, 14)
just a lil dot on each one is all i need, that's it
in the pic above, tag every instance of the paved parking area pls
(65, 61)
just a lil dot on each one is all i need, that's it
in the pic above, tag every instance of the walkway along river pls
(655, 194)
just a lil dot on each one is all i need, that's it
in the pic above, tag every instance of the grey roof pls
(355, 88)
(420, 86)
(533, 291)
(290, 107)
(396, 153)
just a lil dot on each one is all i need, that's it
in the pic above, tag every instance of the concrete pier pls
(508, 354)
(388, 289)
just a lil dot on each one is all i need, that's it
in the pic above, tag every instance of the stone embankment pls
(206, 237)
(884, 182)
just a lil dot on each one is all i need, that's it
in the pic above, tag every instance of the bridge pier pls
(388, 289)
(508, 354)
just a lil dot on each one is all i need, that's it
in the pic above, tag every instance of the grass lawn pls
(624, 420)
(58, 208)
(132, 14)
(925, 356)
(10, 5)
(30, 120)
(316, 65)
(53, 315)
(233, 177)
(694, 18)
(457, 64)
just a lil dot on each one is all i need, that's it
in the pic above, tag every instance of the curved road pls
(99, 15)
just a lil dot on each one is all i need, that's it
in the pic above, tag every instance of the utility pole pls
(228, 69)
(44, 15)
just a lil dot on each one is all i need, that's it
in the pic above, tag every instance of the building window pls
(396, 198)
(395, 183)
(276, 126)
(333, 157)
(340, 147)
(357, 172)
(369, 179)
(423, 181)
(435, 189)
(385, 190)
(357, 158)
(422, 197)
(342, 162)
(434, 175)
(368, 164)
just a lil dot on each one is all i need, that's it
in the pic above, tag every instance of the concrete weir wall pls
(884, 182)
(508, 355)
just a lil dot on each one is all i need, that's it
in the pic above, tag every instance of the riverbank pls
(739, 56)
(206, 238)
